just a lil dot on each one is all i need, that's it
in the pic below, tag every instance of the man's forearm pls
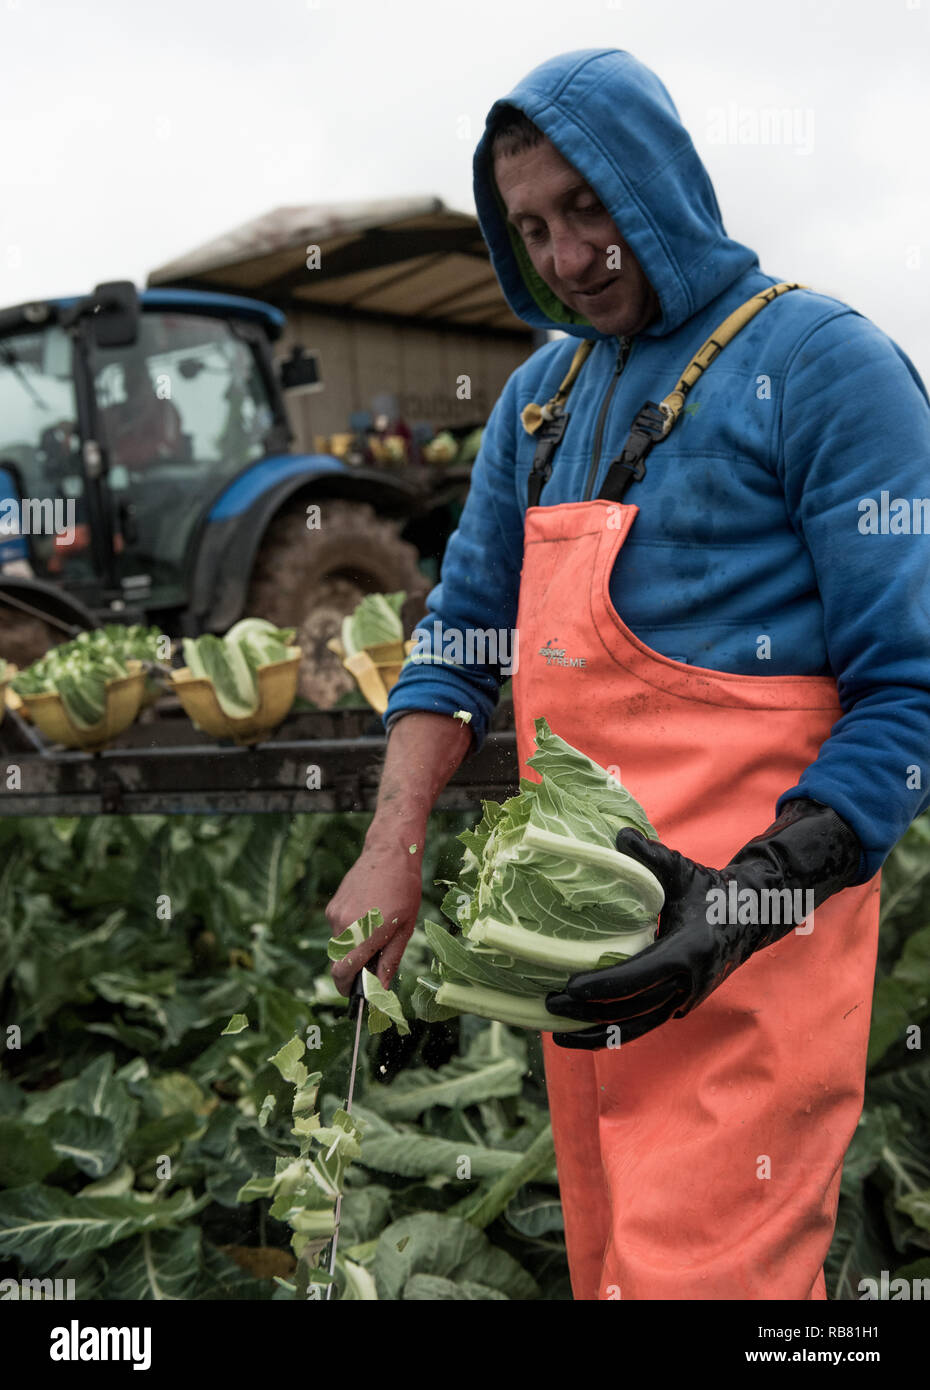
(423, 752)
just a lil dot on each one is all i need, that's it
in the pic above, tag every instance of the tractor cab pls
(123, 416)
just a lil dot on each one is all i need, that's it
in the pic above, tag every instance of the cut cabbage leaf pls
(543, 894)
(231, 663)
(375, 620)
(384, 1007)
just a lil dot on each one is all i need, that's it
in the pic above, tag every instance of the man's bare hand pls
(423, 751)
(387, 876)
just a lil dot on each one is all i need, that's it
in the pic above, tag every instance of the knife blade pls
(357, 1003)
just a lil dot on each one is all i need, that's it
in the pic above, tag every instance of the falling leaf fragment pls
(384, 1006)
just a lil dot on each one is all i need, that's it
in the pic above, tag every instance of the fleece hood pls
(613, 120)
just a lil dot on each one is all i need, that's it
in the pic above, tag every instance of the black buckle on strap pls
(630, 466)
(548, 439)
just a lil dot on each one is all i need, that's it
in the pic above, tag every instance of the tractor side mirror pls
(115, 314)
(301, 370)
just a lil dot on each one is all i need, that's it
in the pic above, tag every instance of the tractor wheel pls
(310, 579)
(24, 639)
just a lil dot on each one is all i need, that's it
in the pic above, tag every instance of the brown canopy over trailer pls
(397, 295)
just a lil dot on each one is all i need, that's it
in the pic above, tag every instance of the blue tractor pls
(146, 475)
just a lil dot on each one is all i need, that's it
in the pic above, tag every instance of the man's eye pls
(591, 207)
(533, 234)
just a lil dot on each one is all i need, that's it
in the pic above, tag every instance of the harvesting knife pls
(356, 1002)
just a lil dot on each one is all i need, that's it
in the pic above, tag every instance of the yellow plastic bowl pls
(376, 669)
(277, 689)
(9, 698)
(123, 701)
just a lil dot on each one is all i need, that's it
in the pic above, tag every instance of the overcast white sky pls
(132, 132)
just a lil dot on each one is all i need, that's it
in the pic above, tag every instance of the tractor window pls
(40, 449)
(182, 412)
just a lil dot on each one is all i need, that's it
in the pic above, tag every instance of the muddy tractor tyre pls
(24, 639)
(310, 579)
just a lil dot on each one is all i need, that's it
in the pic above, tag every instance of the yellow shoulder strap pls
(673, 403)
(533, 415)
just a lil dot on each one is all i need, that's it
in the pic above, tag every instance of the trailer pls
(316, 761)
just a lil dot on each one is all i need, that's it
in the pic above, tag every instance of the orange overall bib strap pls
(703, 1160)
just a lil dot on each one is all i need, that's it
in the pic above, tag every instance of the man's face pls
(567, 231)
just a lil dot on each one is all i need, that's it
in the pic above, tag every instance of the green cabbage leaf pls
(376, 619)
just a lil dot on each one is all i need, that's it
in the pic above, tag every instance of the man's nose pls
(572, 258)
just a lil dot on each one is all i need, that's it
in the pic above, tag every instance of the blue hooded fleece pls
(770, 539)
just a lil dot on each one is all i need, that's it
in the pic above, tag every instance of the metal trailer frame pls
(321, 761)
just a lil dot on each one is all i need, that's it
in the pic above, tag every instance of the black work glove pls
(809, 850)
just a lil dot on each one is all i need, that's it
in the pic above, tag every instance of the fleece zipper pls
(623, 356)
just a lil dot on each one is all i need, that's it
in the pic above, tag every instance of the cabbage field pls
(146, 1136)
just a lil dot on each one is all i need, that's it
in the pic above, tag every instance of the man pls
(143, 427)
(756, 663)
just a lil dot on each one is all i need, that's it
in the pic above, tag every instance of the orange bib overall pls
(703, 1160)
